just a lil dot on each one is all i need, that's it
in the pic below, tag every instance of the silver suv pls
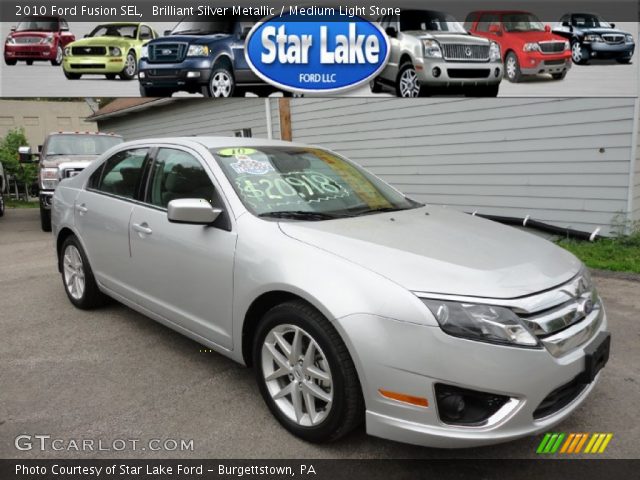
(431, 49)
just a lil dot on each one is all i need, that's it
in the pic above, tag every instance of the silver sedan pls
(352, 302)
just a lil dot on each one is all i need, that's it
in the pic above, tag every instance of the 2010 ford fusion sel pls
(351, 301)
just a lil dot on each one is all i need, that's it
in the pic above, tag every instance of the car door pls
(390, 72)
(241, 67)
(102, 213)
(184, 273)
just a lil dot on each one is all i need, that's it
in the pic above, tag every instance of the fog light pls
(436, 72)
(497, 72)
(142, 75)
(193, 74)
(461, 406)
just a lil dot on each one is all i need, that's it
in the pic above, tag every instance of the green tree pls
(25, 174)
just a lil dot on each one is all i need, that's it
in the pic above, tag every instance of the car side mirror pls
(392, 32)
(64, 28)
(245, 33)
(495, 29)
(547, 28)
(13, 28)
(25, 155)
(167, 33)
(193, 211)
(613, 25)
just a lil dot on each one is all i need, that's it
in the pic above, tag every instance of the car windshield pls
(429, 22)
(83, 144)
(126, 31)
(305, 183)
(191, 27)
(522, 22)
(588, 21)
(50, 25)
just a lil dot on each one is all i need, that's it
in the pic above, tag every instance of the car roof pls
(218, 142)
(87, 133)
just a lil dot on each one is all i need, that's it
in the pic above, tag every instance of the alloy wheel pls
(74, 277)
(221, 84)
(511, 67)
(297, 375)
(59, 55)
(131, 66)
(409, 83)
(576, 52)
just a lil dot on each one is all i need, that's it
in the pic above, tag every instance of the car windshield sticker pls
(248, 165)
(232, 152)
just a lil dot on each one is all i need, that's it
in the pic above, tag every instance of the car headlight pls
(494, 52)
(567, 46)
(531, 47)
(67, 51)
(115, 52)
(485, 323)
(10, 41)
(49, 178)
(431, 49)
(592, 38)
(47, 39)
(198, 51)
(628, 38)
(144, 53)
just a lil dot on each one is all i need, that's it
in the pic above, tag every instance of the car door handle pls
(82, 209)
(142, 228)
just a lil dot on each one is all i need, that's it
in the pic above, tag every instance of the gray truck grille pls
(167, 52)
(88, 51)
(551, 47)
(27, 40)
(70, 172)
(466, 53)
(611, 38)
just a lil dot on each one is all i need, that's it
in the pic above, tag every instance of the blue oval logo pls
(317, 53)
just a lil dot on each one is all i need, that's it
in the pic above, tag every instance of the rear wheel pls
(58, 60)
(305, 373)
(155, 92)
(45, 219)
(72, 76)
(77, 276)
(512, 68)
(110, 76)
(10, 62)
(130, 68)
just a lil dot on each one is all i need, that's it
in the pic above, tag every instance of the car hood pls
(102, 41)
(56, 160)
(192, 39)
(600, 31)
(526, 37)
(449, 37)
(437, 250)
(34, 33)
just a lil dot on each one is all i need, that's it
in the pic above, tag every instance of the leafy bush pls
(25, 174)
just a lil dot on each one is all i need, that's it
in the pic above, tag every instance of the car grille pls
(89, 51)
(460, 52)
(468, 72)
(167, 52)
(162, 72)
(611, 38)
(552, 47)
(27, 40)
(95, 66)
(554, 62)
(559, 398)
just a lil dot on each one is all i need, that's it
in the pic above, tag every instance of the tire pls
(155, 92)
(29, 62)
(11, 63)
(222, 83)
(72, 76)
(407, 83)
(77, 277)
(111, 76)
(45, 219)
(483, 91)
(1, 205)
(59, 55)
(131, 67)
(340, 388)
(579, 54)
(375, 85)
(512, 68)
(624, 61)
(559, 76)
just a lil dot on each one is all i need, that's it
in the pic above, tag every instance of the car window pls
(121, 173)
(486, 20)
(428, 21)
(178, 174)
(115, 30)
(468, 22)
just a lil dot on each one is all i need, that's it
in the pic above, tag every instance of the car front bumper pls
(189, 75)
(535, 63)
(443, 73)
(46, 199)
(93, 64)
(607, 50)
(30, 52)
(419, 357)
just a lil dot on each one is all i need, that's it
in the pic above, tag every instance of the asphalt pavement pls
(114, 374)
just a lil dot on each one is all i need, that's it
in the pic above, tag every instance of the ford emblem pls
(316, 53)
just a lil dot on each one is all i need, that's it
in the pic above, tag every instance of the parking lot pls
(112, 374)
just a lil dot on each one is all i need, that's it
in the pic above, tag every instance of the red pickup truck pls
(528, 46)
(37, 39)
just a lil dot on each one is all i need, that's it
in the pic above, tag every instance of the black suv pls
(198, 57)
(592, 37)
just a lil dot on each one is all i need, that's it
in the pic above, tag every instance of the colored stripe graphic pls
(573, 443)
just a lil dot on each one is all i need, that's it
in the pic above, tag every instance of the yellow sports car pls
(111, 49)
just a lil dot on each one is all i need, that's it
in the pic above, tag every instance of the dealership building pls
(567, 162)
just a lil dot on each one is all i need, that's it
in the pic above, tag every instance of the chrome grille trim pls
(465, 53)
(551, 46)
(613, 38)
(167, 52)
(27, 40)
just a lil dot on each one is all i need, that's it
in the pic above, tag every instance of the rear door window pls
(121, 174)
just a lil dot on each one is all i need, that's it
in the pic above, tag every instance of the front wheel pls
(45, 219)
(58, 60)
(512, 68)
(130, 67)
(407, 83)
(29, 62)
(10, 62)
(375, 85)
(77, 276)
(623, 60)
(72, 76)
(579, 54)
(305, 373)
(155, 92)
(221, 84)
(484, 91)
